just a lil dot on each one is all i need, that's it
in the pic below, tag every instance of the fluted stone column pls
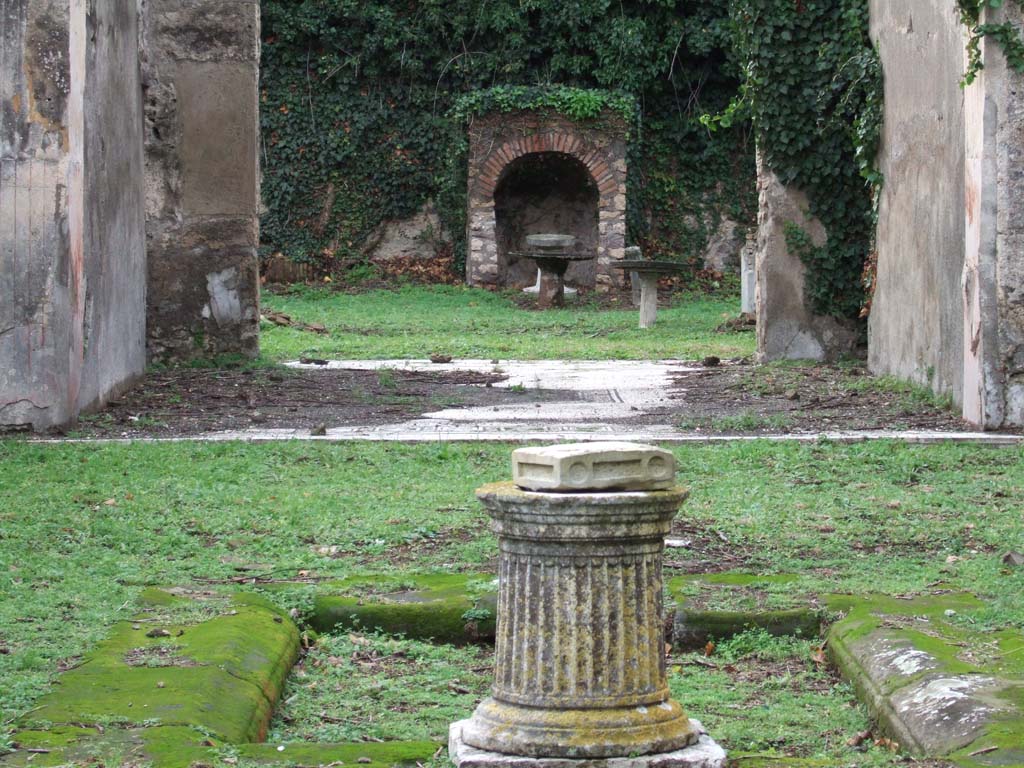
(580, 648)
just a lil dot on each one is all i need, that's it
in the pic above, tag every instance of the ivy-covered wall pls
(813, 90)
(359, 125)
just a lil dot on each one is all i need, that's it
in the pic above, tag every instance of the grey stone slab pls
(706, 753)
(892, 661)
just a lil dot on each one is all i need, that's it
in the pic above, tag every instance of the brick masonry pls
(498, 140)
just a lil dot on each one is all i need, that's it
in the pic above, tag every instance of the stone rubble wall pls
(916, 323)
(72, 252)
(495, 141)
(200, 63)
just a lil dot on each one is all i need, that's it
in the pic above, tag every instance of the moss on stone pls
(924, 625)
(451, 608)
(693, 629)
(161, 747)
(183, 747)
(151, 597)
(238, 665)
(52, 738)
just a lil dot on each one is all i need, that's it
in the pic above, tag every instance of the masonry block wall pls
(498, 143)
(72, 249)
(916, 323)
(200, 79)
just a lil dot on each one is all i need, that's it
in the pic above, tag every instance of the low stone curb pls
(446, 608)
(936, 687)
(174, 693)
(222, 676)
(694, 629)
(459, 608)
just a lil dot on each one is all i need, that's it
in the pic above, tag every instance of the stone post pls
(580, 647)
(648, 298)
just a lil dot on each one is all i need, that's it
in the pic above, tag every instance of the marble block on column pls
(594, 467)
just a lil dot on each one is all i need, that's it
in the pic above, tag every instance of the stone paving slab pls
(938, 687)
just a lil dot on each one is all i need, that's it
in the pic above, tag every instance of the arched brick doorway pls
(504, 148)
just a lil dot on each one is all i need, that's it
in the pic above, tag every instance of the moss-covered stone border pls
(193, 678)
(899, 653)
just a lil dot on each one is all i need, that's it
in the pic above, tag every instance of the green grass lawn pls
(414, 322)
(757, 693)
(83, 527)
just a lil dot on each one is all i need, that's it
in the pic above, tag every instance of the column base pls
(704, 753)
(579, 733)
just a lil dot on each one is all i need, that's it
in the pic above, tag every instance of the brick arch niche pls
(531, 174)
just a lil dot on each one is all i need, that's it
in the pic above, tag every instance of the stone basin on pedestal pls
(580, 677)
(553, 254)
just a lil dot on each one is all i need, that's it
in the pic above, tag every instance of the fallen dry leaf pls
(860, 738)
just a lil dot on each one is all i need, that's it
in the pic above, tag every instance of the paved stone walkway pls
(621, 400)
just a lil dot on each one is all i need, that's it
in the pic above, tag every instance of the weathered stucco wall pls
(71, 246)
(35, 82)
(200, 79)
(915, 329)
(114, 318)
(786, 327)
(994, 264)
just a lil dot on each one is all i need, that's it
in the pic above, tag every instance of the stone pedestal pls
(705, 753)
(580, 646)
(648, 298)
(552, 283)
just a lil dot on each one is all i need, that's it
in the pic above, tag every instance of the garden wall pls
(948, 309)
